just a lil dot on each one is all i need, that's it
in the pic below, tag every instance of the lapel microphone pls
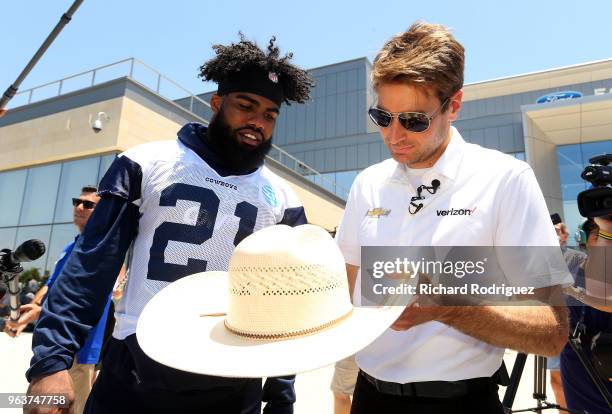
(435, 184)
(414, 207)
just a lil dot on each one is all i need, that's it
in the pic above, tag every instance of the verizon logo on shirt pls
(456, 212)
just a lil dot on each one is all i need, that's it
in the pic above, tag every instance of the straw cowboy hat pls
(282, 308)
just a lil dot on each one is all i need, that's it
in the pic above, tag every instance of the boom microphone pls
(28, 251)
(10, 269)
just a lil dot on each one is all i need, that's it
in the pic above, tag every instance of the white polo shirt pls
(507, 209)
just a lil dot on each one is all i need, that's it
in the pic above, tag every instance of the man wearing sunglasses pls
(82, 370)
(438, 190)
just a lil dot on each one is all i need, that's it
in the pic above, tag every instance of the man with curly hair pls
(182, 206)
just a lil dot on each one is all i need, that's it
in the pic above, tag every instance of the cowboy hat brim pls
(202, 344)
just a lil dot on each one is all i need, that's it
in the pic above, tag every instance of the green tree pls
(27, 275)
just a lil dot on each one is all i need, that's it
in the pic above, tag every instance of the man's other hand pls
(28, 313)
(56, 383)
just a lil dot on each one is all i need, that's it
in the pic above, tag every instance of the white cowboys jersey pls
(191, 220)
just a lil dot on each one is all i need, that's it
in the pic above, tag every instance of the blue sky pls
(175, 37)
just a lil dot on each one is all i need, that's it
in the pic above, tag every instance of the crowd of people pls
(180, 207)
(27, 291)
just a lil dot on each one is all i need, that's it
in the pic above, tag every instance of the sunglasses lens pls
(414, 122)
(86, 203)
(379, 117)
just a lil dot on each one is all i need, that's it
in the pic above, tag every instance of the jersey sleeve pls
(123, 178)
(293, 213)
(294, 216)
(59, 265)
(80, 294)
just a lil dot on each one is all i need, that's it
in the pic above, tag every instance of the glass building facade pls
(333, 134)
(344, 179)
(36, 203)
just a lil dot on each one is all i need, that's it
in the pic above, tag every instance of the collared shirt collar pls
(448, 163)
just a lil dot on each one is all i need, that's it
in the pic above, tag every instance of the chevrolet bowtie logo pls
(378, 212)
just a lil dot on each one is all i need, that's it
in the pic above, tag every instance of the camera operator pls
(580, 392)
(574, 260)
(593, 312)
(82, 370)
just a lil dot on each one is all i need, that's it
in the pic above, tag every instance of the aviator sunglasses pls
(412, 121)
(86, 203)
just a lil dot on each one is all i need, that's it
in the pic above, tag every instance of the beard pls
(230, 152)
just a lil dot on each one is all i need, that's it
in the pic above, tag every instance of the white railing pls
(306, 171)
(152, 79)
(131, 68)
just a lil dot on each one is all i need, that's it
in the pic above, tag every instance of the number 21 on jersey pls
(197, 233)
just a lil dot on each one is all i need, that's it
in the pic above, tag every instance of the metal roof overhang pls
(573, 121)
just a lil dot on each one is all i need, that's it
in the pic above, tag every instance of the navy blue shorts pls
(131, 382)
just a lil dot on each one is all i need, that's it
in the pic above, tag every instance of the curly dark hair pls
(232, 59)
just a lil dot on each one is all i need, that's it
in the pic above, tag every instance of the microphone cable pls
(415, 207)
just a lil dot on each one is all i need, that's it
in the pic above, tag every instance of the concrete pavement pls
(312, 388)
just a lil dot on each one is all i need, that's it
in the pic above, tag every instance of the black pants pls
(108, 333)
(130, 382)
(481, 400)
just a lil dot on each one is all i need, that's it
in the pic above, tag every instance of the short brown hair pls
(89, 189)
(426, 55)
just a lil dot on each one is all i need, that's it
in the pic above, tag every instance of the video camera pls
(597, 201)
(10, 268)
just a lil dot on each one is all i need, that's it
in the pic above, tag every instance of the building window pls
(61, 235)
(75, 174)
(12, 184)
(7, 237)
(35, 203)
(338, 183)
(40, 195)
(42, 233)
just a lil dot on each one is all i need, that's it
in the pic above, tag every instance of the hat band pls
(303, 332)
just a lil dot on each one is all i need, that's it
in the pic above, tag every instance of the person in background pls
(82, 370)
(574, 260)
(596, 316)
